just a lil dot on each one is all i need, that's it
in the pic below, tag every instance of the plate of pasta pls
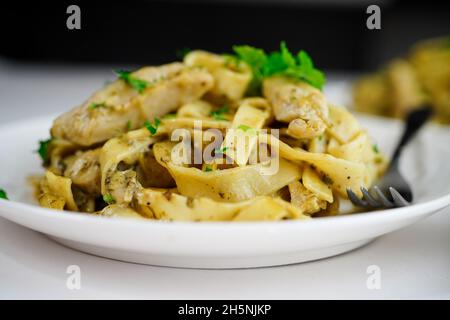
(217, 161)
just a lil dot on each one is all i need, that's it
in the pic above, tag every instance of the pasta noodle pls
(186, 142)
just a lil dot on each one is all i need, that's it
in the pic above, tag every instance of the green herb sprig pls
(220, 150)
(109, 199)
(181, 53)
(3, 194)
(96, 105)
(152, 127)
(208, 168)
(43, 150)
(375, 148)
(138, 84)
(219, 113)
(282, 62)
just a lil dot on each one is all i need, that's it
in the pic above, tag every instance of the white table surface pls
(414, 262)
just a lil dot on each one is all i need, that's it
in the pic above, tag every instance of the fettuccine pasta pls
(194, 141)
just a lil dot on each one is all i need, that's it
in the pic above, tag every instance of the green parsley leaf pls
(244, 127)
(218, 114)
(256, 59)
(3, 194)
(220, 150)
(43, 150)
(138, 84)
(109, 199)
(181, 53)
(282, 62)
(152, 127)
(208, 168)
(95, 105)
(375, 148)
(129, 125)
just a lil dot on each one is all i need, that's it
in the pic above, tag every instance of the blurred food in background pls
(420, 78)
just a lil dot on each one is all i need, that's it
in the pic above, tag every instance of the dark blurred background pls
(150, 32)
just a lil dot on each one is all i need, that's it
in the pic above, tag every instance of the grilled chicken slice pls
(299, 104)
(119, 107)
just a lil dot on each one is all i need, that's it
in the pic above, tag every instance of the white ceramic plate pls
(224, 245)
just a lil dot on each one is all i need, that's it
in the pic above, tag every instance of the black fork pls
(392, 190)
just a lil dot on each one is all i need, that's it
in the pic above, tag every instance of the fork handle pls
(414, 121)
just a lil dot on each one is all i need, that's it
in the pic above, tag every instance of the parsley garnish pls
(95, 105)
(208, 168)
(282, 62)
(375, 148)
(138, 84)
(43, 150)
(109, 199)
(181, 53)
(220, 150)
(244, 127)
(129, 125)
(152, 127)
(218, 114)
(3, 194)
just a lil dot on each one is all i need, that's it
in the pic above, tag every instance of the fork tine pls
(355, 200)
(368, 197)
(382, 197)
(398, 199)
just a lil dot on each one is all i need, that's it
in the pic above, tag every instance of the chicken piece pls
(83, 169)
(119, 107)
(304, 199)
(301, 105)
(231, 79)
(123, 186)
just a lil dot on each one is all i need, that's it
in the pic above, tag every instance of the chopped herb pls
(169, 116)
(282, 62)
(208, 168)
(152, 127)
(181, 53)
(109, 199)
(218, 114)
(375, 148)
(221, 150)
(245, 128)
(129, 125)
(138, 84)
(95, 105)
(256, 59)
(43, 150)
(326, 179)
(3, 194)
